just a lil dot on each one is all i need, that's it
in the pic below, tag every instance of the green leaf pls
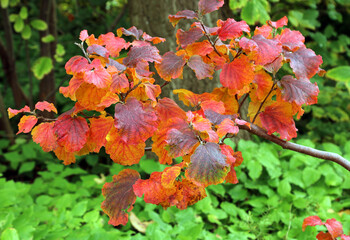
(13, 17)
(331, 147)
(41, 67)
(27, 32)
(4, 3)
(38, 24)
(19, 25)
(26, 167)
(284, 188)
(254, 168)
(294, 17)
(23, 13)
(310, 176)
(48, 38)
(79, 209)
(340, 74)
(9, 234)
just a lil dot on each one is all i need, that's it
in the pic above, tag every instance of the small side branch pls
(334, 157)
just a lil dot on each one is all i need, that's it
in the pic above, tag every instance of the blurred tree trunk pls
(48, 14)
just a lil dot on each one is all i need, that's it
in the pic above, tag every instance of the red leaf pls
(72, 132)
(98, 76)
(311, 221)
(202, 69)
(188, 14)
(304, 62)
(98, 49)
(153, 190)
(120, 196)
(216, 106)
(237, 74)
(45, 106)
(133, 31)
(208, 165)
(208, 6)
(279, 23)
(121, 152)
(44, 135)
(83, 35)
(274, 66)
(198, 122)
(301, 91)
(291, 40)
(77, 64)
(26, 124)
(145, 53)
(13, 112)
(134, 123)
(120, 83)
(73, 86)
(167, 109)
(180, 142)
(114, 44)
(324, 236)
(154, 40)
(152, 91)
(334, 227)
(264, 30)
(185, 38)
(345, 237)
(230, 29)
(171, 66)
(278, 117)
(199, 48)
(263, 50)
(227, 126)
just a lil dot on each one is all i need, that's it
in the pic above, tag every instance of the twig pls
(241, 103)
(257, 113)
(334, 157)
(147, 149)
(80, 45)
(129, 91)
(164, 84)
(208, 37)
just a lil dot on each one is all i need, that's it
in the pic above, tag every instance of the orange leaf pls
(199, 48)
(62, 154)
(74, 85)
(187, 14)
(99, 128)
(264, 83)
(227, 96)
(44, 135)
(237, 74)
(169, 176)
(119, 196)
(120, 83)
(187, 97)
(227, 126)
(278, 117)
(72, 132)
(45, 106)
(166, 109)
(121, 152)
(26, 124)
(89, 96)
(134, 122)
(279, 23)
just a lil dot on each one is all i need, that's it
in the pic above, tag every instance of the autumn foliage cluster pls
(249, 64)
(334, 228)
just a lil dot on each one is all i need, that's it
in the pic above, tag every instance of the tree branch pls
(334, 157)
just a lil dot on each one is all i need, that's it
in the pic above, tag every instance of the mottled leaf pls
(113, 44)
(279, 23)
(145, 53)
(26, 124)
(334, 227)
(64, 155)
(187, 97)
(264, 83)
(13, 112)
(202, 69)
(185, 38)
(44, 134)
(134, 123)
(72, 132)
(77, 64)
(237, 74)
(304, 62)
(187, 14)
(133, 31)
(301, 91)
(311, 221)
(230, 29)
(208, 6)
(169, 176)
(291, 40)
(227, 126)
(119, 196)
(180, 142)
(167, 109)
(98, 49)
(171, 66)
(278, 117)
(45, 106)
(98, 76)
(263, 50)
(208, 165)
(324, 236)
(99, 128)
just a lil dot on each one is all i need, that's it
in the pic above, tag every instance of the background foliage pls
(42, 199)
